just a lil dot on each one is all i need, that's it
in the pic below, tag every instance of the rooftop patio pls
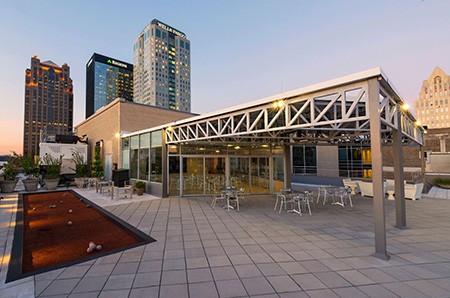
(206, 252)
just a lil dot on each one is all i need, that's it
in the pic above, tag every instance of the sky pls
(240, 50)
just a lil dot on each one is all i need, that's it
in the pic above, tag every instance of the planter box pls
(7, 186)
(51, 184)
(30, 184)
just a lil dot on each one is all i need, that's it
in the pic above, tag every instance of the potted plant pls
(97, 164)
(53, 168)
(10, 171)
(140, 187)
(31, 169)
(81, 168)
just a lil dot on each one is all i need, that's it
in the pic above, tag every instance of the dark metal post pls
(377, 169)
(399, 177)
(287, 167)
(165, 166)
(423, 164)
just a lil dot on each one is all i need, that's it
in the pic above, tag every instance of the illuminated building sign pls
(110, 61)
(116, 63)
(169, 29)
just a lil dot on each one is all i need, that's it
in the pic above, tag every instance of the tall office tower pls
(48, 102)
(162, 67)
(432, 106)
(106, 80)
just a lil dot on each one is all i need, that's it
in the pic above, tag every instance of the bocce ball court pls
(54, 229)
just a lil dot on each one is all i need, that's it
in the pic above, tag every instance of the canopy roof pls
(334, 111)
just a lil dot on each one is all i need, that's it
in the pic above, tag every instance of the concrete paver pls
(258, 252)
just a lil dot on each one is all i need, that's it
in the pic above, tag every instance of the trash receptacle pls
(120, 176)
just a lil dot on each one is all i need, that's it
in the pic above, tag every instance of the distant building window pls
(355, 161)
(181, 43)
(158, 33)
(304, 160)
(187, 46)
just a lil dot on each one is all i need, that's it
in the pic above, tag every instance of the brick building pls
(105, 126)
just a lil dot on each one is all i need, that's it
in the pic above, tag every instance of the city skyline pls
(280, 47)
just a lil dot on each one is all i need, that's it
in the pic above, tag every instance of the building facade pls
(162, 67)
(105, 126)
(432, 107)
(106, 80)
(48, 103)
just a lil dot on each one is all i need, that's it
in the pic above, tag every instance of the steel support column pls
(287, 166)
(227, 171)
(399, 177)
(165, 165)
(423, 164)
(377, 169)
(271, 187)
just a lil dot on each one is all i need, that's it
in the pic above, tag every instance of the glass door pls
(193, 175)
(174, 175)
(278, 173)
(239, 173)
(260, 175)
(214, 174)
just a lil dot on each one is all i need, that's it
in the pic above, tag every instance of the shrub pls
(12, 168)
(52, 165)
(81, 166)
(97, 164)
(29, 167)
(140, 184)
(441, 181)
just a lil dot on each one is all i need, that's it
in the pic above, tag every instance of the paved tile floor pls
(437, 193)
(205, 252)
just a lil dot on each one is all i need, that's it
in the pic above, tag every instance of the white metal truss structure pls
(331, 112)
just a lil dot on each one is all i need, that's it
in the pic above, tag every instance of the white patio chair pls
(222, 197)
(91, 183)
(344, 193)
(329, 192)
(303, 202)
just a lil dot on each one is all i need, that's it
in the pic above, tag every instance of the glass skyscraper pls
(106, 80)
(162, 67)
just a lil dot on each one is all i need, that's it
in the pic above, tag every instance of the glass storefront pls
(156, 157)
(134, 156)
(193, 178)
(142, 154)
(240, 173)
(278, 173)
(202, 169)
(144, 146)
(259, 175)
